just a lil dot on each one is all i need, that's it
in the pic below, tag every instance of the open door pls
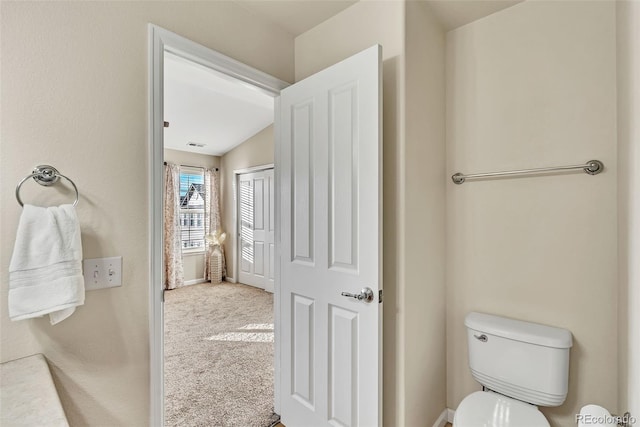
(331, 246)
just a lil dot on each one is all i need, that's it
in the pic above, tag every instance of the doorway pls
(218, 336)
(161, 42)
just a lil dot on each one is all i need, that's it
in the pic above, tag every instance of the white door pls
(256, 225)
(330, 181)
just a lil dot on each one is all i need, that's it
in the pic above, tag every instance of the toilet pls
(520, 365)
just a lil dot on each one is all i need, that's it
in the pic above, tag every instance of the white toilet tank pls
(526, 361)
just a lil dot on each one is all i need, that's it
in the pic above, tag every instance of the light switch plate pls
(101, 273)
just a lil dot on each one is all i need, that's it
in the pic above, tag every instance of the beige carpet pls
(218, 356)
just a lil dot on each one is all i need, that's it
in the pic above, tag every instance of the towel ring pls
(45, 175)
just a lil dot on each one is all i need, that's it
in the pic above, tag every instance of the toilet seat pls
(489, 409)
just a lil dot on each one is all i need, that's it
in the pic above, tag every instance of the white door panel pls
(331, 243)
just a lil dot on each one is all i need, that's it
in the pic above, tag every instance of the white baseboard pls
(441, 421)
(194, 282)
(445, 417)
(450, 414)
(230, 279)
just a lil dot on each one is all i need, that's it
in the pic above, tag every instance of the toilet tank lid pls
(519, 330)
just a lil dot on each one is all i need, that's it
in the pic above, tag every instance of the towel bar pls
(45, 175)
(592, 167)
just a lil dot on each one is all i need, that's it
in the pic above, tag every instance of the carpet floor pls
(218, 356)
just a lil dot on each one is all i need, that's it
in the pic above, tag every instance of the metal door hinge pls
(380, 296)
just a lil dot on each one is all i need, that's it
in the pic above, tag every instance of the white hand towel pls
(45, 273)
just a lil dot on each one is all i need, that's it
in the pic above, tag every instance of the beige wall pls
(74, 95)
(413, 208)
(193, 263)
(531, 86)
(191, 159)
(628, 39)
(424, 218)
(255, 151)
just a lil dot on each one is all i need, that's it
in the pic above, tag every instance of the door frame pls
(161, 40)
(236, 208)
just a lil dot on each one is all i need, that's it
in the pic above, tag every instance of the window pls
(192, 197)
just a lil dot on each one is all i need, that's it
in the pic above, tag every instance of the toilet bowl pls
(488, 409)
(521, 365)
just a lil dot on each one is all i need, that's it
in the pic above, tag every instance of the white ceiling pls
(456, 13)
(207, 107)
(296, 16)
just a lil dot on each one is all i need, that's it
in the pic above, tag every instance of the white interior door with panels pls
(256, 226)
(330, 271)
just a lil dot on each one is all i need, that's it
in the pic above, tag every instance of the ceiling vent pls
(195, 144)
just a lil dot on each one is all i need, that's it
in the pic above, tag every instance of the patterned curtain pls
(213, 223)
(173, 270)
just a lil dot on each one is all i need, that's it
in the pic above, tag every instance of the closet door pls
(256, 229)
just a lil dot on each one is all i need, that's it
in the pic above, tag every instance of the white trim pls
(210, 58)
(156, 280)
(442, 420)
(254, 169)
(276, 238)
(445, 417)
(195, 281)
(230, 279)
(161, 40)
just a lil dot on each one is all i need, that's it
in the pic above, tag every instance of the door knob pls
(366, 295)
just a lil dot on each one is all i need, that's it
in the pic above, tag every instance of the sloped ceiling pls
(205, 107)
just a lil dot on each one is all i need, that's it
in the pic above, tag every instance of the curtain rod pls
(189, 166)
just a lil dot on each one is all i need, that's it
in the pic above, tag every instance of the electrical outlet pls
(100, 273)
